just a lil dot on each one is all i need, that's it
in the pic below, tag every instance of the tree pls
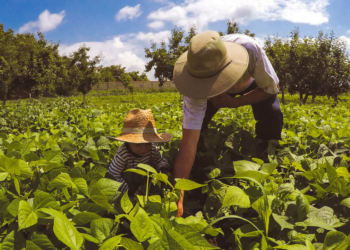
(126, 80)
(163, 59)
(82, 70)
(233, 28)
(136, 77)
(7, 64)
(278, 51)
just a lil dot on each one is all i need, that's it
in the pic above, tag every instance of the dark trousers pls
(267, 114)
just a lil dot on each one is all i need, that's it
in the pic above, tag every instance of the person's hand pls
(224, 101)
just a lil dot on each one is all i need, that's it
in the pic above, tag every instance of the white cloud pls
(347, 40)
(203, 12)
(154, 37)
(128, 13)
(348, 31)
(45, 22)
(156, 25)
(126, 49)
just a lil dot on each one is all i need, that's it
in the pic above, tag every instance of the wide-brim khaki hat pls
(210, 67)
(139, 127)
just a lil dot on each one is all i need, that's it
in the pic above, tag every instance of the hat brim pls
(202, 88)
(143, 137)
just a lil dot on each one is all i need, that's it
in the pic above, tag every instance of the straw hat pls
(139, 127)
(210, 67)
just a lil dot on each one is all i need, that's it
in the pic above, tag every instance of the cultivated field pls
(54, 154)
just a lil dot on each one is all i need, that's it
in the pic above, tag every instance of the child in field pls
(139, 135)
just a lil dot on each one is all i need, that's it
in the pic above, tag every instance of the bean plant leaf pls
(333, 239)
(26, 216)
(303, 207)
(125, 203)
(141, 226)
(101, 228)
(64, 230)
(282, 221)
(193, 237)
(147, 168)
(236, 196)
(173, 240)
(129, 244)
(41, 241)
(43, 199)
(13, 241)
(243, 166)
(186, 185)
(85, 217)
(111, 243)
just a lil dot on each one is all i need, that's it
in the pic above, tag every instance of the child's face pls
(140, 148)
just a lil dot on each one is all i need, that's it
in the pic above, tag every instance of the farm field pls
(54, 154)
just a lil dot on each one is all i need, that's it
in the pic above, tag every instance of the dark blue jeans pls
(268, 116)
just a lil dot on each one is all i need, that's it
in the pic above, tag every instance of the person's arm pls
(116, 169)
(225, 101)
(184, 160)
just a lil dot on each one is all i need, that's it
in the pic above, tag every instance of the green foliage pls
(54, 195)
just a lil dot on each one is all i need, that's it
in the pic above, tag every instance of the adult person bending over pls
(210, 74)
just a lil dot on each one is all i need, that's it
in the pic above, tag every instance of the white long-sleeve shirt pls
(259, 68)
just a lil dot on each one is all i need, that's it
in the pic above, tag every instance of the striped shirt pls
(125, 159)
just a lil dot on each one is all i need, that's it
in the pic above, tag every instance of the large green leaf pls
(100, 199)
(111, 243)
(109, 188)
(243, 166)
(82, 186)
(101, 228)
(53, 155)
(173, 240)
(236, 196)
(64, 229)
(125, 203)
(26, 216)
(282, 221)
(303, 207)
(147, 168)
(43, 199)
(194, 237)
(141, 226)
(41, 241)
(85, 217)
(129, 244)
(13, 241)
(334, 239)
(186, 185)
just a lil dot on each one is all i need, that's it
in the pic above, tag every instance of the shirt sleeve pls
(116, 169)
(162, 165)
(193, 112)
(264, 74)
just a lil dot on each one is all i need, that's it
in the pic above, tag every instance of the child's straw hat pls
(139, 127)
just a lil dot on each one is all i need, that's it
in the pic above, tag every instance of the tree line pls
(32, 66)
(308, 66)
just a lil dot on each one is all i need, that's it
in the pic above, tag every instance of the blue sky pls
(121, 29)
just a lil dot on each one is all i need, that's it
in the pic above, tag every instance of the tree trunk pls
(305, 98)
(4, 102)
(282, 100)
(30, 97)
(313, 98)
(301, 98)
